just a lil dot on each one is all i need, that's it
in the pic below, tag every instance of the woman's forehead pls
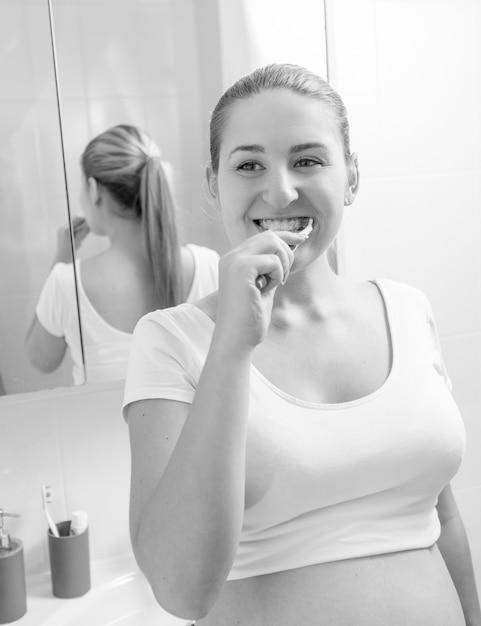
(280, 114)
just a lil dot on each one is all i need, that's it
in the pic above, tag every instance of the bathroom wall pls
(409, 74)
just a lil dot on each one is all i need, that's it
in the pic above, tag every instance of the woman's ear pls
(93, 191)
(352, 180)
(211, 179)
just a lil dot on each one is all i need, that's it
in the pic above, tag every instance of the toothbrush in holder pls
(46, 500)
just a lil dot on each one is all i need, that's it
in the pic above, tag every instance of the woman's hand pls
(244, 310)
(80, 230)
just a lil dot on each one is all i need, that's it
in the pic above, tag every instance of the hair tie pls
(153, 153)
(153, 157)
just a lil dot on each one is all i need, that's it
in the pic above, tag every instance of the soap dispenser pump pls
(13, 591)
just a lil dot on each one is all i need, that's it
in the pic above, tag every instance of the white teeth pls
(293, 224)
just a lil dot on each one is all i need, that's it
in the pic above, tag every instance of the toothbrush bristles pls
(47, 493)
(308, 229)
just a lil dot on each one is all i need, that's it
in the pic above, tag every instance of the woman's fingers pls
(263, 260)
(272, 270)
(275, 263)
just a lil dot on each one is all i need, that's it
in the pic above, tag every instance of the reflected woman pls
(125, 196)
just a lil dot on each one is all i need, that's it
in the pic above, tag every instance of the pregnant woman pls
(293, 435)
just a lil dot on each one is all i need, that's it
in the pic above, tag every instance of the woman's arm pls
(44, 350)
(454, 547)
(187, 490)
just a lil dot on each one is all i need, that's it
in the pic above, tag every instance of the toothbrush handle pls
(261, 281)
(51, 524)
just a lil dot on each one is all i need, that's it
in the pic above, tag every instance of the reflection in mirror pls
(119, 183)
(32, 190)
(126, 197)
(160, 66)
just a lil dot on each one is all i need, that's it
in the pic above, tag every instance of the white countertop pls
(119, 594)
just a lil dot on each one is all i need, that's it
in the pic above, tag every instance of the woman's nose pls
(280, 189)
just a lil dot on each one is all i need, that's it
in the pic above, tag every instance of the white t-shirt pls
(106, 349)
(327, 481)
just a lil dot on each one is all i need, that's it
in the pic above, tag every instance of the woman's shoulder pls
(405, 298)
(186, 317)
(403, 290)
(200, 267)
(61, 278)
(63, 270)
(200, 251)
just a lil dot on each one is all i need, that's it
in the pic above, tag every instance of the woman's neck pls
(125, 234)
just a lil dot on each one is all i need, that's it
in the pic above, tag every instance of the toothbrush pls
(262, 280)
(46, 500)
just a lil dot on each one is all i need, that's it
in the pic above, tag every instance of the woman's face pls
(281, 158)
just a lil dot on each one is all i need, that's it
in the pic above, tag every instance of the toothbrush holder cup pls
(69, 562)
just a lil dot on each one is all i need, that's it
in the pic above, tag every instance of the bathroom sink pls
(124, 600)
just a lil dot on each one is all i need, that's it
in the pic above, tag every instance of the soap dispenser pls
(13, 591)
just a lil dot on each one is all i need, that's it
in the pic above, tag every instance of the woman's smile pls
(292, 224)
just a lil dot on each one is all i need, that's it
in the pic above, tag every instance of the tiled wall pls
(409, 74)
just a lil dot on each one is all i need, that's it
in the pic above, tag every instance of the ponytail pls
(159, 224)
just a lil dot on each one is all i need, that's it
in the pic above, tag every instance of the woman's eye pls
(306, 162)
(250, 166)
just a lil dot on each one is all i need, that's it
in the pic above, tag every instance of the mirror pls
(32, 186)
(158, 65)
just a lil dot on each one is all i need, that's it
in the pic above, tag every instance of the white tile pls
(110, 52)
(476, 86)
(69, 36)
(30, 458)
(158, 34)
(269, 28)
(106, 112)
(96, 464)
(424, 231)
(413, 99)
(37, 41)
(427, 71)
(16, 75)
(353, 71)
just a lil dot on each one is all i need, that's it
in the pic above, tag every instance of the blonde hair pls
(127, 161)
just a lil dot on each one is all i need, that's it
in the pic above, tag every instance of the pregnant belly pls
(399, 589)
